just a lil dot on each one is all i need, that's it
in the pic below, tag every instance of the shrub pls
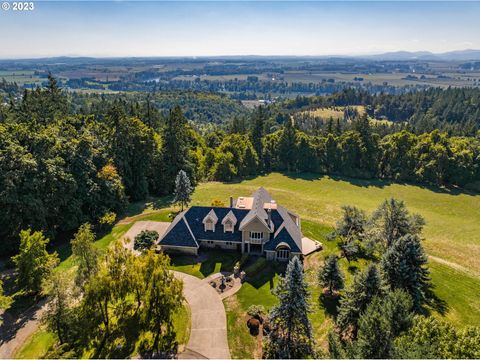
(107, 219)
(145, 240)
(253, 324)
(217, 203)
(256, 311)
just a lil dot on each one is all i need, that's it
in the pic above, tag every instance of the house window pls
(228, 226)
(209, 225)
(283, 254)
(254, 235)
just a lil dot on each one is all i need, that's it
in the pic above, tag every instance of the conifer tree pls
(183, 189)
(403, 266)
(383, 320)
(258, 130)
(330, 275)
(175, 147)
(291, 333)
(392, 220)
(287, 146)
(365, 286)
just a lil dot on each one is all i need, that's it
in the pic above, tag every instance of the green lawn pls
(453, 218)
(182, 324)
(452, 236)
(215, 262)
(36, 346)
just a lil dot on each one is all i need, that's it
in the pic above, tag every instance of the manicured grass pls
(459, 291)
(257, 290)
(36, 346)
(453, 218)
(182, 324)
(452, 234)
(214, 262)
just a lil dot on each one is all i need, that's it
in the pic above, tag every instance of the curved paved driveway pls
(208, 334)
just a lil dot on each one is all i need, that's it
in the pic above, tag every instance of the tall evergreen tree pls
(383, 320)
(291, 333)
(365, 286)
(404, 267)
(392, 220)
(330, 275)
(287, 146)
(258, 129)
(175, 148)
(183, 189)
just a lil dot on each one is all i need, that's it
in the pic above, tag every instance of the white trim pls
(283, 243)
(242, 226)
(191, 233)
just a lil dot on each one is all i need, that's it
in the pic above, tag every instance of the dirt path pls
(454, 265)
(14, 332)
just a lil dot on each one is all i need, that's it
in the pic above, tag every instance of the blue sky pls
(160, 28)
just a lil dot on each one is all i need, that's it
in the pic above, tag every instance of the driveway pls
(208, 334)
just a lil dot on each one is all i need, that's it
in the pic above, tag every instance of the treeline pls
(69, 160)
(433, 158)
(248, 89)
(58, 171)
(454, 110)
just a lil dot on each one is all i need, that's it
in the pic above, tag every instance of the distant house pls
(254, 225)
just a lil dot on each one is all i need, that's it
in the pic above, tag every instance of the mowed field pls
(452, 233)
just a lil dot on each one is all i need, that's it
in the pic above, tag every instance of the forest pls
(68, 159)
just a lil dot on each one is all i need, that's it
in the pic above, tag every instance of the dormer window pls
(209, 225)
(228, 226)
(210, 221)
(229, 222)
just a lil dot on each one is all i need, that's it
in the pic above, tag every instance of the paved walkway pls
(15, 334)
(208, 334)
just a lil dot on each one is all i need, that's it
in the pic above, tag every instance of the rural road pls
(208, 334)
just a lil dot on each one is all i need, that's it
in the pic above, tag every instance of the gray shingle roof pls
(188, 227)
(282, 236)
(179, 234)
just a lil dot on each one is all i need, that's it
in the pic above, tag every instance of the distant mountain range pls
(460, 55)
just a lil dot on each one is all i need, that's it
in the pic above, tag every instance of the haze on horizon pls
(127, 28)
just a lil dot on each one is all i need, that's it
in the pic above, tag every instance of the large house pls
(254, 225)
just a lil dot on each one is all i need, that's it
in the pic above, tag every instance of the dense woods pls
(66, 160)
(454, 110)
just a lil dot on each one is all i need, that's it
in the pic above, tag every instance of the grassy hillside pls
(452, 239)
(452, 233)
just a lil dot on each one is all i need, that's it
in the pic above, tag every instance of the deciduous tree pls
(33, 262)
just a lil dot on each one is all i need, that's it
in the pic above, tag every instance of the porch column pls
(249, 248)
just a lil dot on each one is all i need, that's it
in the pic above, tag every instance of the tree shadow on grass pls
(433, 302)
(154, 203)
(329, 304)
(20, 312)
(267, 275)
(379, 183)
